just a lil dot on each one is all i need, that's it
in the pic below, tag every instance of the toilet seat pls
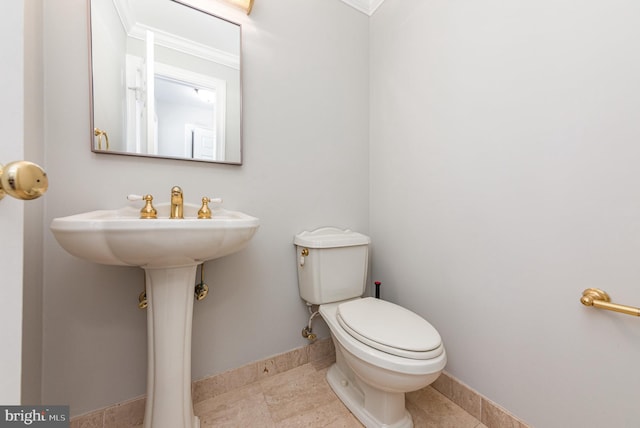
(381, 359)
(389, 328)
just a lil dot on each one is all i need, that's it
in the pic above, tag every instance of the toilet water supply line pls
(307, 331)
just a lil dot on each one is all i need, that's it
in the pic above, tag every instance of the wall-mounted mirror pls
(165, 81)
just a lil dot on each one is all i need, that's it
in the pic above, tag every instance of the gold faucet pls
(177, 203)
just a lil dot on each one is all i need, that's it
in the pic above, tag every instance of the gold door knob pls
(23, 180)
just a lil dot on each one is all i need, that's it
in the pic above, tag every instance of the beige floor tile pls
(443, 384)
(321, 349)
(431, 409)
(91, 420)
(466, 398)
(495, 417)
(292, 359)
(242, 407)
(225, 382)
(296, 392)
(323, 363)
(125, 415)
(267, 395)
(332, 415)
(348, 422)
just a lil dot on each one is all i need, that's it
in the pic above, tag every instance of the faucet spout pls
(177, 203)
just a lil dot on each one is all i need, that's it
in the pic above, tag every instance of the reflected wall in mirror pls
(165, 81)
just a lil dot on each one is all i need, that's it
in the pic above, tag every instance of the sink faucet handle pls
(205, 211)
(133, 197)
(148, 211)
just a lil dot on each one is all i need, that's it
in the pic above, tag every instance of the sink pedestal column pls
(169, 321)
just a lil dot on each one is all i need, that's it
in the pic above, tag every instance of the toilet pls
(382, 350)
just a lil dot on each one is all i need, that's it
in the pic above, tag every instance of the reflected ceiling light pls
(245, 5)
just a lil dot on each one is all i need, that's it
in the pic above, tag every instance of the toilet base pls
(353, 398)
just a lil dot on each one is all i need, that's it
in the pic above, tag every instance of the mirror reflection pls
(165, 81)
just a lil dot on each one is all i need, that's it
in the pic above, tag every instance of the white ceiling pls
(364, 6)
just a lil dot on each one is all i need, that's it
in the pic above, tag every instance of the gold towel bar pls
(600, 299)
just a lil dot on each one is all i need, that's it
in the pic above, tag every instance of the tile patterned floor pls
(290, 390)
(301, 397)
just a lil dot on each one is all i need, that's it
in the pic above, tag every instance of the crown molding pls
(172, 41)
(126, 14)
(368, 7)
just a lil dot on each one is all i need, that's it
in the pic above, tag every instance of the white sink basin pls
(120, 237)
(169, 250)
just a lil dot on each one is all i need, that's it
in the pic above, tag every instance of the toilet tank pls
(332, 264)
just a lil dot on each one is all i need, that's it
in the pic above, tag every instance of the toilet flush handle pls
(304, 253)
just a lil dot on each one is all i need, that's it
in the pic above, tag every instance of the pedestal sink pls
(169, 250)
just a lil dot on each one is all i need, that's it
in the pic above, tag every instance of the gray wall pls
(305, 166)
(504, 175)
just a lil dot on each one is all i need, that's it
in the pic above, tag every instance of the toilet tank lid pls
(330, 237)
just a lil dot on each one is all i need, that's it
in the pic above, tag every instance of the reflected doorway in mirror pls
(138, 47)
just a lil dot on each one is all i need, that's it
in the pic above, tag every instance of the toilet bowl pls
(372, 383)
(382, 350)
